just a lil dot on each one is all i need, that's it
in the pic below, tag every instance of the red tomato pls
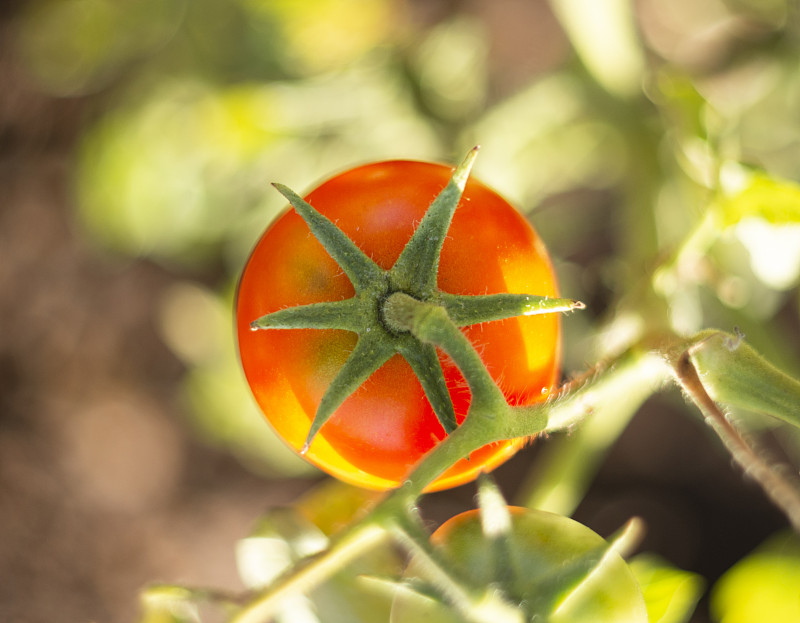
(387, 425)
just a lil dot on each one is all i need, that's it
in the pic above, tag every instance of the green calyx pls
(412, 278)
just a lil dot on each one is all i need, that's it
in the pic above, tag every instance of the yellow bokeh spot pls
(323, 34)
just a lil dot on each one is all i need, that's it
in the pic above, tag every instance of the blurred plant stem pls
(563, 472)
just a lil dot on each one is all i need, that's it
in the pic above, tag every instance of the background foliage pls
(138, 140)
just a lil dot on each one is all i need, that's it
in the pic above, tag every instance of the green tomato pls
(536, 572)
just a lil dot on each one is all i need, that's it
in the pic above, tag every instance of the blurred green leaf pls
(75, 46)
(564, 469)
(763, 586)
(545, 140)
(158, 178)
(671, 594)
(418, 600)
(182, 174)
(450, 67)
(605, 38)
(320, 35)
(764, 212)
(775, 200)
(676, 94)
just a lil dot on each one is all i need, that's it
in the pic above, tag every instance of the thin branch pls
(311, 571)
(782, 492)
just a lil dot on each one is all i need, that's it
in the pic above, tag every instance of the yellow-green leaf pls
(670, 594)
(775, 200)
(764, 586)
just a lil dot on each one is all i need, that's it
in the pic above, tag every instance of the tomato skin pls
(387, 425)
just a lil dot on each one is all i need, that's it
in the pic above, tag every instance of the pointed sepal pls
(467, 309)
(369, 354)
(496, 526)
(426, 366)
(415, 271)
(358, 267)
(346, 314)
(493, 508)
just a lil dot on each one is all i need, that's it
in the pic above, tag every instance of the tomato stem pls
(565, 465)
(459, 444)
(431, 324)
(584, 396)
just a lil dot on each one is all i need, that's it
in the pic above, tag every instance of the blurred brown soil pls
(102, 490)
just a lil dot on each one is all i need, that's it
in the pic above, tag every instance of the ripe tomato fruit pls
(384, 428)
(534, 572)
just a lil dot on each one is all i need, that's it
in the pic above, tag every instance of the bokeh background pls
(137, 142)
